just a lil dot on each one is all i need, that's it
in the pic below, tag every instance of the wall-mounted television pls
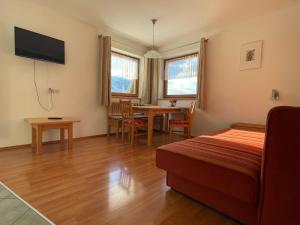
(38, 46)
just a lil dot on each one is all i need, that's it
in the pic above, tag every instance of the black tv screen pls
(37, 46)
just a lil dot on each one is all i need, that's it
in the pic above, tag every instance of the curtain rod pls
(122, 43)
(182, 46)
(125, 44)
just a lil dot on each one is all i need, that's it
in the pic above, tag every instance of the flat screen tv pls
(37, 46)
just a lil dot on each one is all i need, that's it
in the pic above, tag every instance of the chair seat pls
(136, 116)
(137, 123)
(179, 122)
(115, 117)
(140, 116)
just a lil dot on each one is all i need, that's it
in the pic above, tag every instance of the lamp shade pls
(152, 54)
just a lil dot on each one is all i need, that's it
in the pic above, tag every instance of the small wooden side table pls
(41, 124)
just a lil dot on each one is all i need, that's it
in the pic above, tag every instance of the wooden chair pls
(129, 121)
(159, 119)
(186, 123)
(114, 117)
(126, 108)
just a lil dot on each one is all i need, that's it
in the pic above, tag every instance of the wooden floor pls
(101, 181)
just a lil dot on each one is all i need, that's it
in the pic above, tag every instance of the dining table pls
(151, 111)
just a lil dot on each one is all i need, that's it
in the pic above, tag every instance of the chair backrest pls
(137, 102)
(190, 111)
(126, 109)
(121, 101)
(280, 186)
(114, 109)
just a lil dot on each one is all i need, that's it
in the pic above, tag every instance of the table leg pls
(185, 129)
(119, 123)
(62, 135)
(150, 128)
(132, 133)
(166, 122)
(109, 126)
(70, 136)
(39, 139)
(33, 144)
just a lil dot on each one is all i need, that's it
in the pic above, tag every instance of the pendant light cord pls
(153, 35)
(152, 53)
(153, 22)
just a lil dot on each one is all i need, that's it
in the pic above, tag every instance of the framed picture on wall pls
(251, 54)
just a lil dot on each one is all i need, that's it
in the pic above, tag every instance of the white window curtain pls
(124, 66)
(184, 67)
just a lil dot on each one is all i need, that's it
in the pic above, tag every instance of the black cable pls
(37, 92)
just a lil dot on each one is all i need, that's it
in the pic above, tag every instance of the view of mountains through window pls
(181, 75)
(124, 74)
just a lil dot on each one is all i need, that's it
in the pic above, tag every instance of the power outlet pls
(275, 95)
(53, 91)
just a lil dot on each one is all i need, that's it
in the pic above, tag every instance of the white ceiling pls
(177, 18)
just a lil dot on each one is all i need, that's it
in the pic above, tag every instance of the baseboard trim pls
(17, 147)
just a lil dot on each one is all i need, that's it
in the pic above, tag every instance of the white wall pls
(76, 80)
(232, 95)
(244, 96)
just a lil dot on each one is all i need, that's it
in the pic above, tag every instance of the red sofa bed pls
(223, 170)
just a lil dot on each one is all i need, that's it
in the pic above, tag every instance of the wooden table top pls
(45, 120)
(156, 107)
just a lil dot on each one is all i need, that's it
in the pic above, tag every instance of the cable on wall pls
(48, 109)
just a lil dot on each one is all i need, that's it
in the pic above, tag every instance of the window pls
(124, 75)
(181, 76)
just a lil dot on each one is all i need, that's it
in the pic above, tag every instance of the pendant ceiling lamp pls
(152, 53)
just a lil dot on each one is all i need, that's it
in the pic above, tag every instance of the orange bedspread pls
(238, 150)
(221, 170)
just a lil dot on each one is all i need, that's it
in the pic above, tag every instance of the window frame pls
(165, 86)
(127, 95)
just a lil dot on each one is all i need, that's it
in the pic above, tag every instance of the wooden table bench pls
(41, 124)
